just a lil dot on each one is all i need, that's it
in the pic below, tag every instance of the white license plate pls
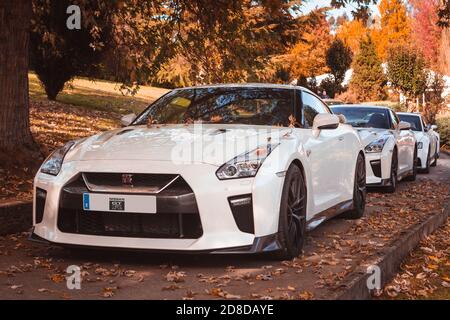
(119, 203)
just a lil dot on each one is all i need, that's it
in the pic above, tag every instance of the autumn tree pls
(427, 34)
(406, 71)
(444, 13)
(435, 103)
(368, 80)
(308, 56)
(395, 26)
(339, 59)
(57, 53)
(352, 33)
(15, 17)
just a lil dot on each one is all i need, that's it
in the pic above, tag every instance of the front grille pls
(176, 217)
(138, 225)
(137, 183)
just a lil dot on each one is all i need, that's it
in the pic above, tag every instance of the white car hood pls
(369, 135)
(419, 135)
(213, 143)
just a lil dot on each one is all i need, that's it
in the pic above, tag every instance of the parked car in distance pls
(427, 140)
(390, 145)
(269, 162)
(333, 102)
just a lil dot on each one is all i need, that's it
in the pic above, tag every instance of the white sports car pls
(220, 169)
(390, 146)
(427, 141)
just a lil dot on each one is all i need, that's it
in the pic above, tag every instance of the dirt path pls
(332, 252)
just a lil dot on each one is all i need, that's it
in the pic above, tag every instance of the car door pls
(405, 145)
(326, 155)
(431, 137)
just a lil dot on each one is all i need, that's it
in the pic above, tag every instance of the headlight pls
(245, 165)
(420, 145)
(377, 145)
(52, 165)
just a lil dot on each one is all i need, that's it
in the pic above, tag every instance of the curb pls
(15, 216)
(391, 258)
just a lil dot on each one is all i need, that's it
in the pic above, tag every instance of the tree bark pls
(15, 19)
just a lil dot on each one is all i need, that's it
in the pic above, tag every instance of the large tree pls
(395, 28)
(427, 34)
(15, 19)
(407, 71)
(368, 80)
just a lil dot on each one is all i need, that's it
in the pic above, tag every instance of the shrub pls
(444, 131)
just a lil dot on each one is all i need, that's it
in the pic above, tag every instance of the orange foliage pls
(352, 33)
(395, 27)
(307, 57)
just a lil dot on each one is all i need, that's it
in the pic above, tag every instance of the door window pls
(312, 106)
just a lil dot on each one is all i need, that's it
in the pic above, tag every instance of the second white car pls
(390, 146)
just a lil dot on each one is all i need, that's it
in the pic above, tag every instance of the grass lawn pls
(98, 95)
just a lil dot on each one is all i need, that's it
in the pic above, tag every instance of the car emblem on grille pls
(127, 179)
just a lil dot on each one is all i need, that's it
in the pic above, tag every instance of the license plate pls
(119, 203)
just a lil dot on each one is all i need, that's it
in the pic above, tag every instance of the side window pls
(394, 119)
(311, 106)
(425, 126)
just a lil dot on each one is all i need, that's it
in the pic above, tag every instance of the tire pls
(393, 176)
(434, 164)
(413, 176)
(427, 168)
(359, 191)
(292, 220)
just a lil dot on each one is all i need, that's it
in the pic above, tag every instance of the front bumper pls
(265, 244)
(378, 168)
(220, 230)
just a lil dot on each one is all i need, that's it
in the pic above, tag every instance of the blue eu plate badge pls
(86, 204)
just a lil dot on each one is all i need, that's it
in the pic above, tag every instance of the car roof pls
(249, 85)
(410, 113)
(360, 106)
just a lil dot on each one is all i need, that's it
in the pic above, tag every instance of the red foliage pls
(425, 30)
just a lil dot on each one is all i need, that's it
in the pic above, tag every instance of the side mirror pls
(127, 119)
(434, 127)
(403, 125)
(325, 121)
(342, 118)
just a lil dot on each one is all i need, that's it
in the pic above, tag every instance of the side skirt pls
(329, 213)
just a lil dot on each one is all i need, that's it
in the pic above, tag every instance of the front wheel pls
(393, 177)
(427, 167)
(359, 190)
(434, 164)
(413, 175)
(292, 221)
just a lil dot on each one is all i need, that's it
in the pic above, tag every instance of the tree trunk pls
(15, 19)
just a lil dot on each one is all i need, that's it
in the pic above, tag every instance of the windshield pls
(413, 120)
(225, 105)
(360, 117)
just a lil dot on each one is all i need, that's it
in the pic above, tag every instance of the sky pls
(312, 4)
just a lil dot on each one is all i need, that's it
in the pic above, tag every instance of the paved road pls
(332, 251)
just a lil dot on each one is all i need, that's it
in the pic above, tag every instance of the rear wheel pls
(393, 177)
(359, 191)
(292, 221)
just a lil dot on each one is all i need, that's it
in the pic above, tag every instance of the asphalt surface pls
(30, 271)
